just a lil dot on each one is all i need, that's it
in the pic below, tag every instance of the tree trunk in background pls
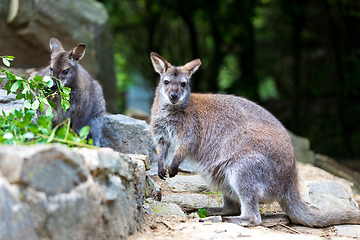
(297, 8)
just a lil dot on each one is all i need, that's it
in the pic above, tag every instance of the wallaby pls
(238, 146)
(87, 104)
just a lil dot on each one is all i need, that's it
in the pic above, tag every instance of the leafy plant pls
(202, 213)
(18, 127)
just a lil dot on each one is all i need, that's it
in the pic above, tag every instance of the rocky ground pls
(167, 221)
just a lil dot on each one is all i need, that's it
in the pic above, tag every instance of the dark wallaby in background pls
(87, 104)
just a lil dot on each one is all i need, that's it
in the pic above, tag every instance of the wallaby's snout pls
(174, 97)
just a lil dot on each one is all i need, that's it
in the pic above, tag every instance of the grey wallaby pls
(87, 104)
(238, 146)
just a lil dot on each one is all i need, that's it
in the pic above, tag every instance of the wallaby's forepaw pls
(162, 174)
(173, 171)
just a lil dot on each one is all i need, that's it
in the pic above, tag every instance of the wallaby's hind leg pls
(229, 208)
(250, 215)
(246, 192)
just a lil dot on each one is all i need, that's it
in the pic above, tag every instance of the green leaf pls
(29, 114)
(65, 104)
(34, 128)
(49, 112)
(52, 135)
(52, 104)
(6, 62)
(27, 104)
(42, 106)
(28, 135)
(37, 78)
(18, 113)
(8, 136)
(48, 80)
(35, 104)
(62, 133)
(15, 86)
(202, 213)
(42, 121)
(19, 96)
(66, 90)
(84, 131)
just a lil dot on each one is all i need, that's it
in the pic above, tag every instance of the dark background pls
(299, 59)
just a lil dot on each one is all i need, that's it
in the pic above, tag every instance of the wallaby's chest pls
(166, 127)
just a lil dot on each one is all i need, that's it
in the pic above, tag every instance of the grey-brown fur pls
(239, 147)
(87, 103)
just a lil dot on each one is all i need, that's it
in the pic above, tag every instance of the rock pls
(106, 161)
(9, 103)
(71, 216)
(143, 186)
(348, 230)
(309, 174)
(27, 26)
(15, 220)
(188, 183)
(213, 219)
(333, 167)
(302, 149)
(60, 193)
(127, 135)
(330, 194)
(191, 202)
(120, 213)
(54, 170)
(272, 220)
(162, 208)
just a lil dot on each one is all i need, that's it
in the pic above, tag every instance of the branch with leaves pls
(18, 127)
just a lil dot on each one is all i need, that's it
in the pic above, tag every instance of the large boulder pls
(27, 26)
(53, 192)
(127, 135)
(302, 149)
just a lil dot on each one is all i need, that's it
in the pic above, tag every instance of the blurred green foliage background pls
(297, 58)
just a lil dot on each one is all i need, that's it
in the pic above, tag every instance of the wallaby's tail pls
(299, 212)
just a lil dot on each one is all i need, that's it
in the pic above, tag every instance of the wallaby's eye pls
(166, 82)
(50, 68)
(65, 72)
(183, 84)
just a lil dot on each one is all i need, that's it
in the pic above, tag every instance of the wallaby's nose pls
(174, 97)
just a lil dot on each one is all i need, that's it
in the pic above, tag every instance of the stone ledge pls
(54, 192)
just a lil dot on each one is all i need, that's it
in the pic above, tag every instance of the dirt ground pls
(167, 227)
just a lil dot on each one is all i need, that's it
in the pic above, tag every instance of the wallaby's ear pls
(55, 45)
(78, 52)
(159, 63)
(191, 67)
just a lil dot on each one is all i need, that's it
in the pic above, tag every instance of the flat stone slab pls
(188, 183)
(163, 208)
(192, 202)
(330, 195)
(348, 230)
